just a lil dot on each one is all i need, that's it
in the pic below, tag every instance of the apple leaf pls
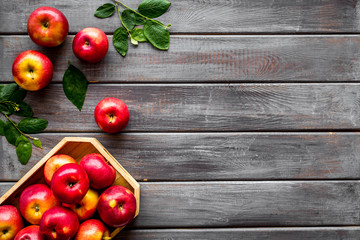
(11, 133)
(23, 149)
(128, 18)
(4, 109)
(37, 143)
(32, 125)
(24, 110)
(153, 8)
(105, 11)
(120, 41)
(138, 35)
(7, 90)
(157, 35)
(75, 86)
(2, 125)
(18, 95)
(139, 20)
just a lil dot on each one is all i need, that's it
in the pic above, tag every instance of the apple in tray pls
(10, 222)
(70, 183)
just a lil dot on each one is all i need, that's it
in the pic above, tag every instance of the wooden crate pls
(76, 147)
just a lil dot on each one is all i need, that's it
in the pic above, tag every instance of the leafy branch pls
(153, 31)
(17, 134)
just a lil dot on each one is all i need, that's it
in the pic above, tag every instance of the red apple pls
(35, 200)
(117, 206)
(70, 183)
(10, 222)
(59, 223)
(29, 233)
(32, 70)
(86, 208)
(90, 45)
(111, 115)
(54, 163)
(47, 27)
(101, 174)
(92, 229)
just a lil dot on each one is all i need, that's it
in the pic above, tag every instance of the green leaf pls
(120, 41)
(75, 86)
(157, 35)
(11, 133)
(4, 109)
(18, 95)
(7, 90)
(153, 8)
(105, 11)
(128, 18)
(37, 143)
(23, 149)
(139, 20)
(138, 35)
(24, 110)
(32, 125)
(2, 125)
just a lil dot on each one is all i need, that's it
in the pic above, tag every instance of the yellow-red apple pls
(86, 208)
(32, 70)
(90, 45)
(10, 222)
(111, 115)
(101, 174)
(70, 183)
(54, 163)
(117, 206)
(47, 27)
(92, 229)
(35, 200)
(29, 233)
(59, 223)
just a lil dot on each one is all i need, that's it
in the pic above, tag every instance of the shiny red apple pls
(10, 222)
(70, 183)
(59, 223)
(35, 200)
(47, 27)
(90, 45)
(54, 163)
(29, 233)
(92, 229)
(117, 206)
(86, 208)
(101, 173)
(32, 70)
(111, 115)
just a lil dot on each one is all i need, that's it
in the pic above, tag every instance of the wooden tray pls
(76, 147)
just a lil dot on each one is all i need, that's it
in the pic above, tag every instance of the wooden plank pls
(309, 233)
(214, 156)
(241, 204)
(208, 107)
(209, 59)
(218, 16)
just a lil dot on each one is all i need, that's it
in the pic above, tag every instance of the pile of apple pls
(73, 194)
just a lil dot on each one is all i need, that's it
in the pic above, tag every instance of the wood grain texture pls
(208, 107)
(300, 233)
(214, 156)
(208, 59)
(241, 204)
(215, 16)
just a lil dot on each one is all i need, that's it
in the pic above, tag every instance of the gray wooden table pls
(246, 128)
